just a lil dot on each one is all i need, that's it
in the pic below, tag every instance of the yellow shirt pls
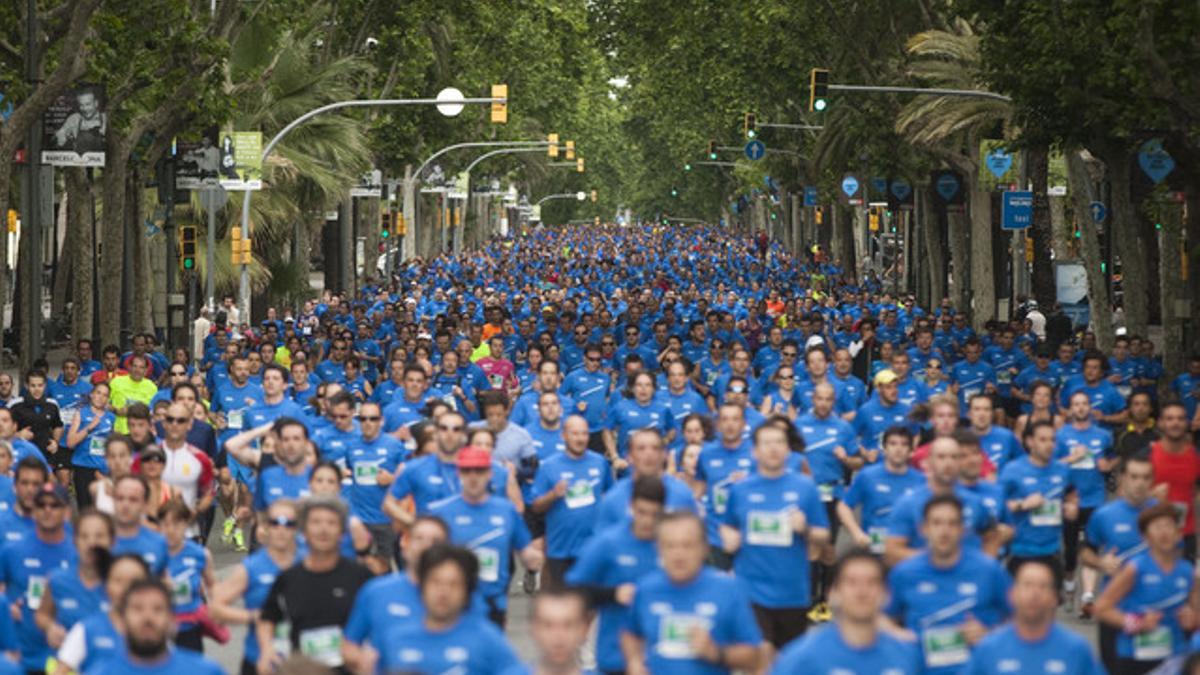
(124, 391)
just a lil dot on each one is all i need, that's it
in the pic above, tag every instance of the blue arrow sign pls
(1016, 210)
(901, 189)
(999, 162)
(850, 186)
(755, 149)
(1099, 212)
(810, 195)
(1156, 162)
(947, 186)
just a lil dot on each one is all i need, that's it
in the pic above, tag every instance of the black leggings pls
(82, 478)
(191, 639)
(1072, 529)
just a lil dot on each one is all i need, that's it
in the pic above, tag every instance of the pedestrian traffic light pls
(712, 150)
(500, 108)
(570, 149)
(818, 89)
(750, 126)
(594, 196)
(385, 224)
(579, 164)
(873, 218)
(187, 247)
(552, 150)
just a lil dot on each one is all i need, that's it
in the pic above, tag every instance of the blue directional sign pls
(947, 185)
(1099, 212)
(810, 195)
(1016, 210)
(1155, 161)
(850, 186)
(999, 161)
(755, 150)
(879, 186)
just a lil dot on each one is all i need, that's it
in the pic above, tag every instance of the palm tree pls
(274, 79)
(950, 127)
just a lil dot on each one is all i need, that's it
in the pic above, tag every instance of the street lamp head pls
(450, 102)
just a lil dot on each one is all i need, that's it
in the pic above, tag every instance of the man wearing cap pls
(26, 565)
(877, 415)
(490, 526)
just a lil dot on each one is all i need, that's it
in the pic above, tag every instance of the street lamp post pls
(449, 103)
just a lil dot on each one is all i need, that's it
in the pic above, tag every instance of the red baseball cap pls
(472, 457)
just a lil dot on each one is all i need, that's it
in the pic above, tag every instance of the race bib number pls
(489, 564)
(579, 495)
(323, 645)
(366, 474)
(720, 498)
(67, 415)
(1004, 376)
(826, 492)
(1049, 514)
(1124, 390)
(181, 591)
(968, 393)
(1088, 461)
(769, 528)
(96, 446)
(945, 646)
(236, 420)
(1153, 645)
(674, 635)
(497, 381)
(35, 590)
(878, 536)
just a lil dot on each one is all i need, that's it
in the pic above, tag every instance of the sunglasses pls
(369, 418)
(786, 377)
(283, 522)
(177, 420)
(154, 458)
(442, 428)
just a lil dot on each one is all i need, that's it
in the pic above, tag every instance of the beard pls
(146, 648)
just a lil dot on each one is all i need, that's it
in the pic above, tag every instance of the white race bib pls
(720, 498)
(323, 645)
(1088, 461)
(181, 591)
(235, 419)
(1049, 514)
(674, 635)
(826, 491)
(945, 646)
(878, 537)
(96, 446)
(366, 474)
(1153, 645)
(35, 590)
(580, 494)
(769, 528)
(489, 564)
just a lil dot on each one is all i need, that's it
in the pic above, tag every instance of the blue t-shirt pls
(1061, 651)
(185, 570)
(934, 602)
(716, 466)
(877, 490)
(571, 519)
(591, 391)
(680, 406)
(821, 437)
(1113, 528)
(664, 612)
(261, 572)
(547, 442)
(493, 530)
(89, 453)
(874, 418)
(364, 460)
(390, 600)
(150, 545)
(1001, 446)
(472, 646)
(1103, 395)
(609, 559)
(822, 650)
(102, 641)
(401, 412)
(971, 379)
(627, 416)
(1038, 531)
(1159, 589)
(72, 599)
(275, 483)
(1085, 473)
(614, 508)
(772, 562)
(335, 443)
(25, 567)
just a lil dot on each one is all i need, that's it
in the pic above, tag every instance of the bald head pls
(575, 435)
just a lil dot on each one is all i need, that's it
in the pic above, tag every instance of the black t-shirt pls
(314, 602)
(41, 417)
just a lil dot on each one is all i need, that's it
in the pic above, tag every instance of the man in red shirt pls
(110, 365)
(1176, 470)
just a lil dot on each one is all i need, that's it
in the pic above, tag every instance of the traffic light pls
(570, 149)
(674, 192)
(820, 215)
(712, 150)
(187, 247)
(597, 221)
(818, 89)
(687, 167)
(749, 125)
(385, 224)
(500, 109)
(12, 220)
(873, 218)
(239, 248)
(401, 226)
(579, 164)
(552, 150)
(595, 195)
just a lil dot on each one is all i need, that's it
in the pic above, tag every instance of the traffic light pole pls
(244, 285)
(458, 232)
(970, 93)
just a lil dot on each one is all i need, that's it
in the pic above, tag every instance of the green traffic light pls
(751, 133)
(385, 234)
(819, 104)
(687, 167)
(713, 155)
(189, 263)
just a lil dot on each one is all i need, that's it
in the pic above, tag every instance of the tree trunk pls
(1173, 289)
(112, 234)
(934, 263)
(143, 279)
(1135, 275)
(1083, 193)
(62, 267)
(81, 246)
(956, 227)
(983, 287)
(1043, 268)
(1059, 227)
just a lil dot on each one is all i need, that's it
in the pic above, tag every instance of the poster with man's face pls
(75, 128)
(239, 160)
(198, 160)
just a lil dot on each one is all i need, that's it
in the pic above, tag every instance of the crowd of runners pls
(698, 452)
